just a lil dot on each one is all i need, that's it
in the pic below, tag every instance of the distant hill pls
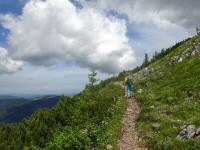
(15, 110)
(7, 97)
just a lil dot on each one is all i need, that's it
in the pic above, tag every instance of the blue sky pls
(53, 55)
(9, 6)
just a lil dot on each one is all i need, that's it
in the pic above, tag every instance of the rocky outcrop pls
(192, 51)
(144, 72)
(188, 132)
(189, 52)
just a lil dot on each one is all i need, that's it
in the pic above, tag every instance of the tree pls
(146, 59)
(155, 55)
(197, 30)
(92, 78)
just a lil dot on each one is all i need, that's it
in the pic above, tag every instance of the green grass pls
(164, 101)
(115, 125)
(89, 120)
(89, 134)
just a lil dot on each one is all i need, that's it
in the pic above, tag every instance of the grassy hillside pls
(170, 97)
(89, 120)
(168, 92)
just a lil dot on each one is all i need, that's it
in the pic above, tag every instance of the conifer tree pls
(197, 30)
(92, 78)
(146, 59)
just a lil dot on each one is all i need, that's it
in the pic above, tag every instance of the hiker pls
(129, 86)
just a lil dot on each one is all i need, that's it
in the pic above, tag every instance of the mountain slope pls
(8, 104)
(169, 93)
(167, 89)
(13, 111)
(89, 120)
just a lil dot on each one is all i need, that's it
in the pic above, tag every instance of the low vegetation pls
(89, 120)
(170, 99)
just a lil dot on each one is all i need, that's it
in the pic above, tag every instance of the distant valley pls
(14, 109)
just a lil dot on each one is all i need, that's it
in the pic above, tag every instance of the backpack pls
(130, 80)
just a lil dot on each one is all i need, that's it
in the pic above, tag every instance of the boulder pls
(197, 132)
(188, 132)
(191, 130)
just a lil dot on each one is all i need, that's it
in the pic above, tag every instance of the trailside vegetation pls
(89, 120)
(170, 100)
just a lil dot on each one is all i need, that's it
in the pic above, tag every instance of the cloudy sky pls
(49, 46)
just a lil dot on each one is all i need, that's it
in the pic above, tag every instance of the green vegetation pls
(92, 79)
(171, 99)
(89, 120)
(8, 104)
(146, 60)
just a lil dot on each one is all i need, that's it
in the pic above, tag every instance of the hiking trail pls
(129, 137)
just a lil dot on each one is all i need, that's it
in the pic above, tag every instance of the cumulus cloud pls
(50, 31)
(7, 64)
(184, 13)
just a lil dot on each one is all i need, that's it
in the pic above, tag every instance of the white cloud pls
(7, 64)
(163, 13)
(53, 30)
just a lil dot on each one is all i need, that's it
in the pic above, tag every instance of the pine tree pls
(146, 59)
(92, 78)
(155, 55)
(197, 30)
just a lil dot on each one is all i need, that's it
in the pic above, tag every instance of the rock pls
(109, 146)
(180, 60)
(183, 132)
(104, 122)
(198, 137)
(140, 91)
(191, 131)
(197, 132)
(181, 137)
(156, 126)
(187, 132)
(192, 51)
(189, 98)
(183, 127)
(152, 106)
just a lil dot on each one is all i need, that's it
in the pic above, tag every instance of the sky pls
(50, 46)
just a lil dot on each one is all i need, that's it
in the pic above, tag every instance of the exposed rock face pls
(192, 51)
(189, 52)
(144, 72)
(189, 132)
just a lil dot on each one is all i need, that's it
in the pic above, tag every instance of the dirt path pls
(129, 137)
